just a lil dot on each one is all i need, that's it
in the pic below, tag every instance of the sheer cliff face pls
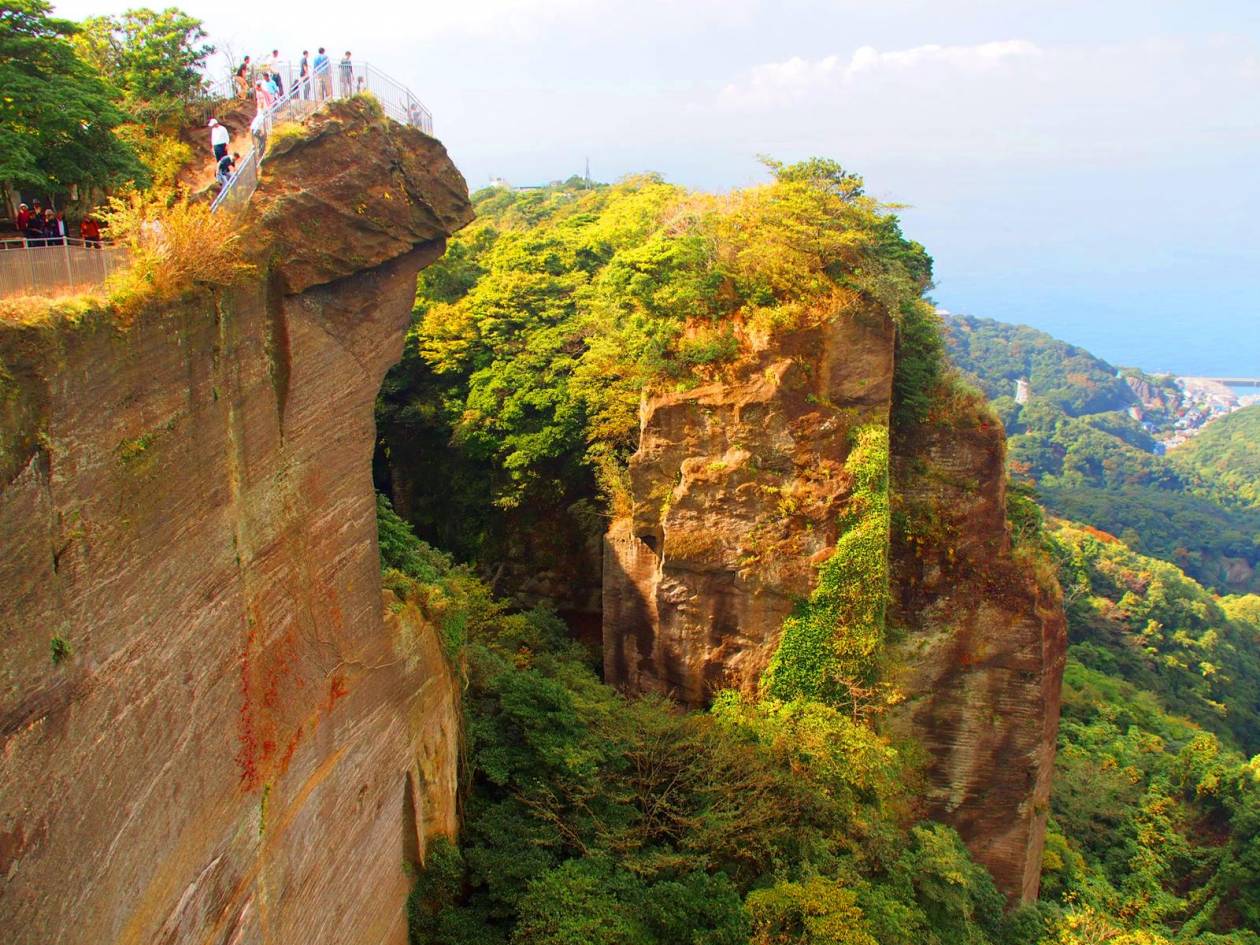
(235, 744)
(982, 662)
(737, 489)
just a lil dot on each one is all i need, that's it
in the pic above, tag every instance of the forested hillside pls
(1092, 462)
(1226, 456)
(995, 355)
(1156, 807)
(593, 818)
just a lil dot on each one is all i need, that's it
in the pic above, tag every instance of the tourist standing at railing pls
(34, 231)
(263, 94)
(242, 78)
(304, 75)
(54, 229)
(347, 76)
(275, 72)
(90, 232)
(23, 217)
(323, 75)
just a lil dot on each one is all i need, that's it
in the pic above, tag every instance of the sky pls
(1089, 168)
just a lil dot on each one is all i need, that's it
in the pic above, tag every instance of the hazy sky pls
(1086, 166)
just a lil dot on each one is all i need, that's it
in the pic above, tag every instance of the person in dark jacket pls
(227, 167)
(304, 74)
(34, 231)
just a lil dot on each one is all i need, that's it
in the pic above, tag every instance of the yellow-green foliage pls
(1088, 926)
(551, 314)
(175, 246)
(284, 135)
(815, 910)
(163, 154)
(831, 646)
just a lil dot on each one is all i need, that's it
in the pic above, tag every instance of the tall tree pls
(57, 116)
(153, 56)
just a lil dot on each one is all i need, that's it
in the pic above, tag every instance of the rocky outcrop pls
(737, 488)
(984, 642)
(738, 491)
(211, 731)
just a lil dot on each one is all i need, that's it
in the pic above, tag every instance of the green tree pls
(155, 57)
(57, 117)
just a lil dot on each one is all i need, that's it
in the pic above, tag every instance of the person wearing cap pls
(23, 217)
(219, 139)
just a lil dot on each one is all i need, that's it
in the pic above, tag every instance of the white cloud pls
(795, 78)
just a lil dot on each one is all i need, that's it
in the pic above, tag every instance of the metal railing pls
(303, 97)
(57, 265)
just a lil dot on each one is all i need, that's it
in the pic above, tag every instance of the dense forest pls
(536, 333)
(593, 818)
(1226, 457)
(590, 818)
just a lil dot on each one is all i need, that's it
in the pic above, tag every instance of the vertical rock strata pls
(231, 740)
(736, 490)
(985, 643)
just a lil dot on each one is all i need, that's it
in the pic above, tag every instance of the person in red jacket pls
(90, 232)
(23, 217)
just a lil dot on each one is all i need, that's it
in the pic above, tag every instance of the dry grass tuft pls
(175, 245)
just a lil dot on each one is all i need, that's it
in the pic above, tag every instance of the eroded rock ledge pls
(236, 743)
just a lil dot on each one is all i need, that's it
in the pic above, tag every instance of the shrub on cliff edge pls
(175, 245)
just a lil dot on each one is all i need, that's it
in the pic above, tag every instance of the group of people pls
(43, 226)
(314, 83)
(314, 78)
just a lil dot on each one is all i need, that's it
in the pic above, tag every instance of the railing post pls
(65, 252)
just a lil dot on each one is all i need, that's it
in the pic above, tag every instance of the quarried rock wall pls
(737, 488)
(211, 731)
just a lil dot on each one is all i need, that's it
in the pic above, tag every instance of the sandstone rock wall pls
(736, 489)
(235, 744)
(982, 661)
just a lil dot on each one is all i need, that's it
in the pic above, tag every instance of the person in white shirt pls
(219, 139)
